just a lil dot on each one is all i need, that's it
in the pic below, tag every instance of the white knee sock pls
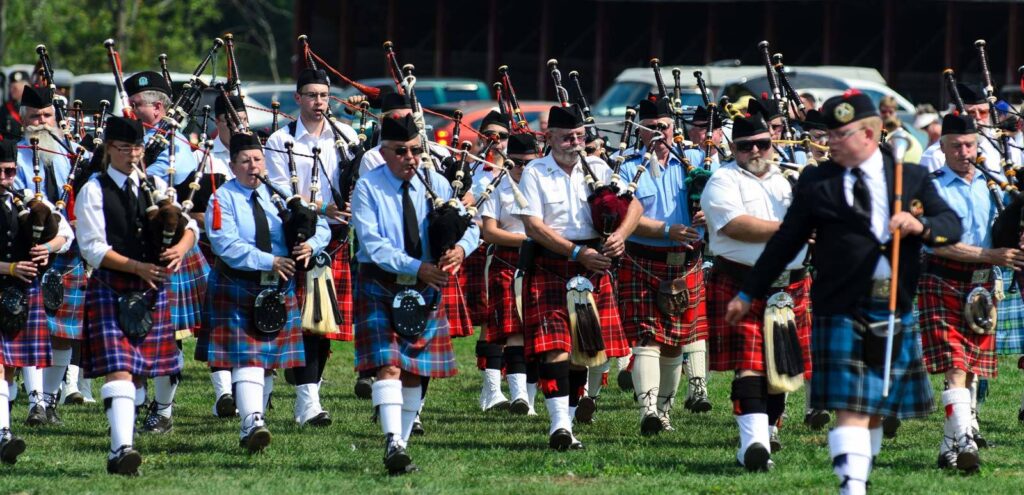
(387, 398)
(248, 384)
(411, 404)
(876, 441)
(957, 402)
(221, 380)
(71, 380)
(5, 399)
(163, 393)
(596, 377)
(140, 395)
(119, 401)
(558, 410)
(33, 380)
(671, 372)
(646, 378)
(753, 428)
(850, 449)
(623, 362)
(696, 362)
(54, 374)
(268, 388)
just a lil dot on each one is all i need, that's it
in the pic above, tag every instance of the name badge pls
(782, 281)
(675, 259)
(268, 278)
(405, 279)
(980, 276)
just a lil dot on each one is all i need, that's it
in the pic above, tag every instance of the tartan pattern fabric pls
(188, 288)
(29, 346)
(66, 322)
(1010, 325)
(547, 317)
(377, 345)
(232, 339)
(741, 346)
(641, 318)
(474, 285)
(106, 349)
(948, 343)
(842, 381)
(341, 271)
(502, 316)
(459, 321)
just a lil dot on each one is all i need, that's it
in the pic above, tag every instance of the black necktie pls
(410, 224)
(259, 218)
(861, 196)
(133, 200)
(50, 184)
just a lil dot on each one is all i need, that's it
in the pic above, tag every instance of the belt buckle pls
(880, 288)
(675, 259)
(405, 279)
(783, 280)
(980, 276)
(268, 277)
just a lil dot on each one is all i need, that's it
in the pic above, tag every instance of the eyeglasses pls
(839, 136)
(747, 146)
(402, 150)
(569, 138)
(128, 148)
(314, 96)
(9, 172)
(660, 126)
(501, 136)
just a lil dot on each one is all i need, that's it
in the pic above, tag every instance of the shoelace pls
(5, 434)
(256, 417)
(700, 390)
(50, 400)
(648, 395)
(153, 418)
(120, 450)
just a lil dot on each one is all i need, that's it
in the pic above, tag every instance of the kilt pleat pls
(454, 301)
(106, 349)
(641, 318)
(741, 346)
(341, 272)
(947, 342)
(502, 316)
(231, 337)
(66, 322)
(547, 317)
(29, 346)
(188, 286)
(377, 345)
(1010, 325)
(474, 285)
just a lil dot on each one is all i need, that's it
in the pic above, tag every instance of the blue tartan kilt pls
(1010, 317)
(105, 347)
(29, 346)
(188, 286)
(378, 345)
(842, 381)
(66, 322)
(229, 332)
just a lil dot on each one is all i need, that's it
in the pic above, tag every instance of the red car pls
(473, 112)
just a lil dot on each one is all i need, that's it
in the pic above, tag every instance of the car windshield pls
(623, 94)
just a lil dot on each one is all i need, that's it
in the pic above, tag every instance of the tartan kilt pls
(377, 345)
(947, 341)
(188, 287)
(66, 322)
(231, 337)
(502, 316)
(547, 317)
(474, 285)
(842, 381)
(741, 346)
(29, 346)
(641, 318)
(1010, 325)
(454, 302)
(106, 349)
(341, 272)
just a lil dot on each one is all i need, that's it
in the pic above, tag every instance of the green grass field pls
(467, 451)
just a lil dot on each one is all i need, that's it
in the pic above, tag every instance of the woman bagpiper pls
(128, 332)
(252, 313)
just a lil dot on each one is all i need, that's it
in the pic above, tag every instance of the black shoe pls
(519, 407)
(756, 458)
(773, 440)
(417, 426)
(560, 440)
(396, 459)
(576, 444)
(625, 380)
(364, 387)
(320, 420)
(947, 460)
(1020, 415)
(155, 423)
(967, 460)
(698, 402)
(890, 424)
(225, 406)
(816, 419)
(651, 425)
(37, 416)
(585, 410)
(10, 447)
(75, 398)
(52, 418)
(257, 440)
(126, 462)
(979, 440)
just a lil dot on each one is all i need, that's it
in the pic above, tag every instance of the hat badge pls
(843, 112)
(143, 81)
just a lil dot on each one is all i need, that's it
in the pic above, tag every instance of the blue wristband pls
(575, 252)
(744, 297)
(668, 228)
(323, 209)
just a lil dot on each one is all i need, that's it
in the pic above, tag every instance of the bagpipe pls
(519, 123)
(59, 106)
(165, 221)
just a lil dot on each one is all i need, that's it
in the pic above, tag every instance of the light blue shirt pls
(696, 157)
(664, 197)
(184, 161)
(235, 241)
(792, 154)
(972, 202)
(377, 217)
(61, 169)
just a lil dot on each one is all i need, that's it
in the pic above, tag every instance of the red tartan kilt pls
(741, 346)
(341, 270)
(474, 285)
(461, 325)
(948, 343)
(503, 317)
(638, 291)
(547, 317)
(29, 346)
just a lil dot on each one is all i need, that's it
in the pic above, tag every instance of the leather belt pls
(256, 277)
(676, 258)
(739, 272)
(965, 276)
(374, 272)
(547, 253)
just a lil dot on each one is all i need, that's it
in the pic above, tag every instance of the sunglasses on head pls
(762, 144)
(402, 150)
(496, 134)
(9, 172)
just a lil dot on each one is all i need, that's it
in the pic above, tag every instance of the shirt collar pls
(872, 167)
(948, 176)
(300, 131)
(396, 183)
(120, 177)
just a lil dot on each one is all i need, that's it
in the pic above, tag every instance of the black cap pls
(8, 151)
(522, 144)
(850, 106)
(654, 109)
(19, 76)
(494, 117)
(34, 97)
(700, 118)
(311, 76)
(146, 81)
(769, 109)
(391, 101)
(242, 141)
(122, 129)
(813, 120)
(400, 129)
(743, 127)
(565, 117)
(220, 105)
(958, 124)
(971, 94)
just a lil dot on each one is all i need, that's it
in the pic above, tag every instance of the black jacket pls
(845, 251)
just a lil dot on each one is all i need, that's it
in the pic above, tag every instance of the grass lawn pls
(467, 451)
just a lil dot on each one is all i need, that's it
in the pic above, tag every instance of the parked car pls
(474, 112)
(432, 92)
(62, 77)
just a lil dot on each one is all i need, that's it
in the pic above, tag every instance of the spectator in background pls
(887, 108)
(928, 120)
(809, 101)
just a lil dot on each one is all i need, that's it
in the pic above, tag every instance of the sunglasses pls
(762, 144)
(9, 172)
(402, 150)
(497, 134)
(660, 126)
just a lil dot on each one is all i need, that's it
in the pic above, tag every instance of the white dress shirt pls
(933, 158)
(499, 207)
(220, 155)
(63, 228)
(560, 200)
(277, 159)
(874, 175)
